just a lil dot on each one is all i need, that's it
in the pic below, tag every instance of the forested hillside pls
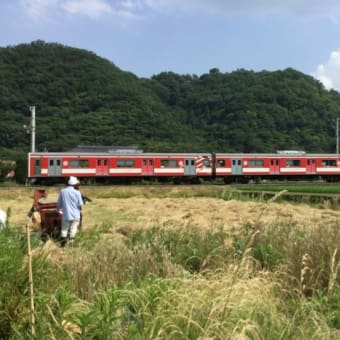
(81, 98)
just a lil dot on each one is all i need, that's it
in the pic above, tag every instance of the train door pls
(311, 166)
(54, 167)
(102, 167)
(189, 167)
(37, 167)
(236, 167)
(147, 167)
(274, 166)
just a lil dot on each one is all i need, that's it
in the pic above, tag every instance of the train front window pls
(206, 163)
(220, 163)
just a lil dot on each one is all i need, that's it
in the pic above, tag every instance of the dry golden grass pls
(145, 207)
(140, 209)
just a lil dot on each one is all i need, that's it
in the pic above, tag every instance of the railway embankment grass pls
(322, 195)
(176, 263)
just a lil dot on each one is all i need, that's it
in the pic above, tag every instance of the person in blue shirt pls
(69, 205)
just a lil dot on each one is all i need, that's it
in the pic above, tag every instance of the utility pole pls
(31, 128)
(32, 109)
(337, 136)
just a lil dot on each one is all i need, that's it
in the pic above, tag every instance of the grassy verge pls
(295, 188)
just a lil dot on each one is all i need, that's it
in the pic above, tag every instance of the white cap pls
(73, 181)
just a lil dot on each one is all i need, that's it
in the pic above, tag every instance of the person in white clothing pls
(69, 204)
(3, 219)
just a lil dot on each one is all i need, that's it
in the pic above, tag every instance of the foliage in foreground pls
(260, 282)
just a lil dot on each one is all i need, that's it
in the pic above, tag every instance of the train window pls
(328, 162)
(79, 163)
(125, 163)
(51, 162)
(105, 162)
(293, 162)
(220, 163)
(255, 163)
(37, 162)
(169, 163)
(206, 163)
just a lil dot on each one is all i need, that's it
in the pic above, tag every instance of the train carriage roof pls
(105, 149)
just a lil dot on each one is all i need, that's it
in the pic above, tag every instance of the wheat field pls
(183, 263)
(144, 207)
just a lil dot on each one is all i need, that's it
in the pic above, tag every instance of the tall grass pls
(278, 281)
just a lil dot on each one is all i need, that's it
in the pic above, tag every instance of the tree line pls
(82, 98)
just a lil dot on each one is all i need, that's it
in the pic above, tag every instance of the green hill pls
(84, 99)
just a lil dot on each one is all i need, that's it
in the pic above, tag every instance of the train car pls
(119, 165)
(105, 166)
(280, 165)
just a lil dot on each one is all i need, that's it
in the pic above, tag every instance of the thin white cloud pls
(329, 73)
(131, 5)
(127, 9)
(90, 8)
(38, 10)
(258, 7)
(44, 10)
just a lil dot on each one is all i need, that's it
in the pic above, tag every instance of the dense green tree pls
(84, 99)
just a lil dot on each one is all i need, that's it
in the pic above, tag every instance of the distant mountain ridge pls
(82, 98)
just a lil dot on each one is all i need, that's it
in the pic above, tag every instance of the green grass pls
(307, 189)
(188, 247)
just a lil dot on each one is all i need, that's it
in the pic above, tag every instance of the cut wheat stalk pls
(335, 265)
(30, 280)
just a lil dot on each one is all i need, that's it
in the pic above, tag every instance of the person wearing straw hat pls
(69, 205)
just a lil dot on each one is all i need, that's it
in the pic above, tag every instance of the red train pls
(118, 164)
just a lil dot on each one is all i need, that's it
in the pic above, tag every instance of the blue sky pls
(147, 37)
